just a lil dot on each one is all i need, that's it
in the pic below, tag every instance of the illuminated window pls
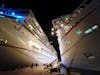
(88, 31)
(89, 55)
(95, 27)
(1, 12)
(52, 33)
(91, 29)
(52, 29)
(62, 25)
(57, 22)
(46, 54)
(66, 19)
(30, 26)
(17, 20)
(13, 13)
(78, 32)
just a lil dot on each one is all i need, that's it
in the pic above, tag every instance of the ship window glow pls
(46, 54)
(30, 26)
(1, 12)
(57, 22)
(88, 31)
(78, 32)
(36, 24)
(52, 33)
(94, 27)
(17, 20)
(91, 29)
(61, 25)
(67, 28)
(13, 13)
(52, 29)
(66, 19)
(89, 55)
(20, 17)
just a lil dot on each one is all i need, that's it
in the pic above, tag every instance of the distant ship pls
(22, 40)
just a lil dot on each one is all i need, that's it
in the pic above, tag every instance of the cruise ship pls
(22, 40)
(79, 37)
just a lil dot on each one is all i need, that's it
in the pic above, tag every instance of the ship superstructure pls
(78, 36)
(22, 39)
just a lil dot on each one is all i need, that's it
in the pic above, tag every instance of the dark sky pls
(45, 11)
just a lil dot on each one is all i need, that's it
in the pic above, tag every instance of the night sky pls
(45, 11)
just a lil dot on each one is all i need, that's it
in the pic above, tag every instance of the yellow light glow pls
(52, 29)
(62, 25)
(30, 26)
(66, 19)
(52, 33)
